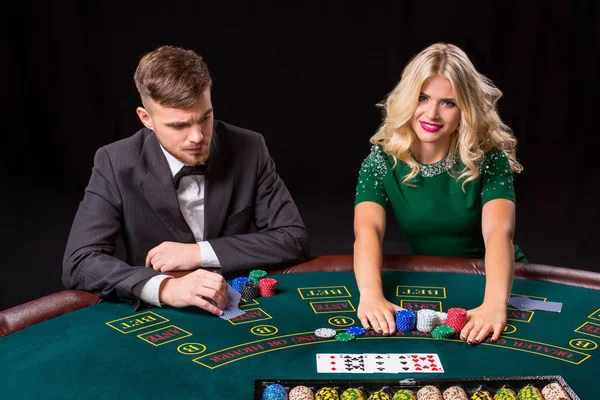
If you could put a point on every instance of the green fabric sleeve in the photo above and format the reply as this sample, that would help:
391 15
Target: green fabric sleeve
497 177
371 177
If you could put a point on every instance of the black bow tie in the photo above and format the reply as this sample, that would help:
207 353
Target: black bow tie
187 170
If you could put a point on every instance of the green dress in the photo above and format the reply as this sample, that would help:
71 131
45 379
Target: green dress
435 216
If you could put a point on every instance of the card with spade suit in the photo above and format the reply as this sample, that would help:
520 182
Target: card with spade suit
340 363
379 363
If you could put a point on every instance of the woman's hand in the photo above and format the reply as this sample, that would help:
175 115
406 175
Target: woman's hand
483 320
376 312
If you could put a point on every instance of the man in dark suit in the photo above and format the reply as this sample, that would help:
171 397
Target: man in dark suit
186 193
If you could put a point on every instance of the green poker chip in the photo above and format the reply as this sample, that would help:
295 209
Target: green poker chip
404 394
380 396
256 275
344 337
443 332
352 394
505 394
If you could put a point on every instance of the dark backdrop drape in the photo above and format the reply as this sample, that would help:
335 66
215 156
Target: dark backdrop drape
308 77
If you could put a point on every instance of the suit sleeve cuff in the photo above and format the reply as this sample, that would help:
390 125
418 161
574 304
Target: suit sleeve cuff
149 293
209 258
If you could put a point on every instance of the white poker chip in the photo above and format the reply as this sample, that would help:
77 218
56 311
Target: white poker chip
441 317
426 320
325 332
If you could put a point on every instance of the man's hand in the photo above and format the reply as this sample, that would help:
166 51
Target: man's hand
195 289
171 256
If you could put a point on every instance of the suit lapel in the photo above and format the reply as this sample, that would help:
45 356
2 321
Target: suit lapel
157 187
219 184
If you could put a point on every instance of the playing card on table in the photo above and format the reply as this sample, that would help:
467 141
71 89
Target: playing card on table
424 362
526 304
381 363
340 363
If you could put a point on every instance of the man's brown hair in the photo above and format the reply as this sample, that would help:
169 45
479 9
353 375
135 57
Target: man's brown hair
172 77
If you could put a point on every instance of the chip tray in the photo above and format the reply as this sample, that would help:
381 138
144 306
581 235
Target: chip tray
390 386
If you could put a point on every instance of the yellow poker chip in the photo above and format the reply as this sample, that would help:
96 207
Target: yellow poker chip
505 394
404 394
380 396
481 395
530 392
327 393
352 394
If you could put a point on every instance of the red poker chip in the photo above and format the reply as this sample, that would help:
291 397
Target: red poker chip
267 287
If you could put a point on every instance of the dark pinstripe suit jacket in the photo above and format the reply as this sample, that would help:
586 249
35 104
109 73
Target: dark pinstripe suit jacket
250 217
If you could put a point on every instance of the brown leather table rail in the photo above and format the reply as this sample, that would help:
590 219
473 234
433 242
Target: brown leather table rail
54 305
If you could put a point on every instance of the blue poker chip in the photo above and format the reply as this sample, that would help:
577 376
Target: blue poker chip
274 392
237 283
355 330
406 320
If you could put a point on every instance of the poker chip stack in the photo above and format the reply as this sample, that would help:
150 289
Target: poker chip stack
530 392
380 396
455 393
344 337
441 317
274 392
352 394
236 283
356 330
325 333
426 320
406 320
256 275
429 392
481 395
327 393
457 319
553 391
301 393
404 394
443 332
505 394
249 290
266 287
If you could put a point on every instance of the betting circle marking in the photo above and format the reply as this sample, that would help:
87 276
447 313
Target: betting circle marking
264 330
583 344
341 321
191 348
508 329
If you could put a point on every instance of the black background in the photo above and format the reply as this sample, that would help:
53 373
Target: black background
308 77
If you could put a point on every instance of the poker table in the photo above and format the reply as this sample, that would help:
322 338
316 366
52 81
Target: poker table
74 345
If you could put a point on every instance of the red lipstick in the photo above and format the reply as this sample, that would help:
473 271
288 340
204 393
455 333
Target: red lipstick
430 127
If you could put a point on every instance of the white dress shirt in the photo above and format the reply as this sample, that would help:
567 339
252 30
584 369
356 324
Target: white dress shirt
191 203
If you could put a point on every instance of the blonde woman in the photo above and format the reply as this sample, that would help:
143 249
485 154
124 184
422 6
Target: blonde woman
443 162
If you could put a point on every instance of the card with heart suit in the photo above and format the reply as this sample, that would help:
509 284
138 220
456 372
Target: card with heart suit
379 363
424 362
340 363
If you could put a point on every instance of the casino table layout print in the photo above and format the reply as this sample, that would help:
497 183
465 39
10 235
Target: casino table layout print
108 351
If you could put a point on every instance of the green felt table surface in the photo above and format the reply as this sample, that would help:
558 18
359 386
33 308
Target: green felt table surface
107 351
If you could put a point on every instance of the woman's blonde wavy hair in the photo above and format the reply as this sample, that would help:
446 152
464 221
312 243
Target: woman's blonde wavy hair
480 128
